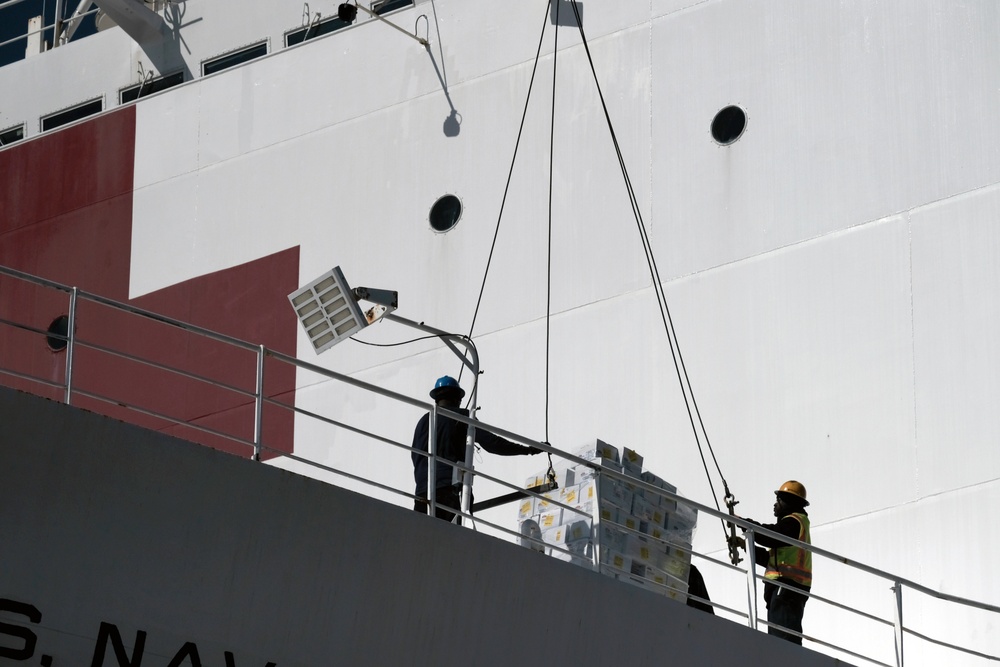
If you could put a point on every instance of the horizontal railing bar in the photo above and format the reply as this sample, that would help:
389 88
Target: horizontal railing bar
163 319
833 603
945 644
26 327
333 422
10 3
342 473
719 605
31 378
66 23
849 652
172 420
159 366
346 379
128 308
22 37
721 563
811 595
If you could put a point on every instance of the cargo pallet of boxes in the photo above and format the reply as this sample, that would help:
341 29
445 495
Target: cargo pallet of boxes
637 534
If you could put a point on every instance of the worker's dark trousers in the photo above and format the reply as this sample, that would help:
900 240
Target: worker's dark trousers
785 608
446 496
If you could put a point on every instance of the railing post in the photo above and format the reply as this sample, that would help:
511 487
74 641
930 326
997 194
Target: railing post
432 462
57 25
898 590
751 580
70 340
258 411
596 521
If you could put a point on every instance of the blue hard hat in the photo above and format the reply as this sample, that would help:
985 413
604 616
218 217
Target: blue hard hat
445 385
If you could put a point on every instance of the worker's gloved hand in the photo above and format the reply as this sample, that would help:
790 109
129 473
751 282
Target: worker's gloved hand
533 450
738 542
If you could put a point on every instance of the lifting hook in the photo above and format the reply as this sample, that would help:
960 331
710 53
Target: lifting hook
733 541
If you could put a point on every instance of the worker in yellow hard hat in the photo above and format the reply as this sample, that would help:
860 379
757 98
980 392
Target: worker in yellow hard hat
786 564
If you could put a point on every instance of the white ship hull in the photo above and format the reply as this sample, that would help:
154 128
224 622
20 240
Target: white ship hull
832 274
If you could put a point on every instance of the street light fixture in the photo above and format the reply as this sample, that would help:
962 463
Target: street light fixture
328 310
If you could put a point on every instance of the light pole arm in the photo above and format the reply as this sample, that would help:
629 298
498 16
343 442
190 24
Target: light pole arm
422 41
470 359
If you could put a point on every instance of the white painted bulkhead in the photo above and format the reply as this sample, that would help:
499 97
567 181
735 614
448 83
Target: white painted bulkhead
832 274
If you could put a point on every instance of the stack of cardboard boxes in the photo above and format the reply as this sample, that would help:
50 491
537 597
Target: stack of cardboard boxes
637 535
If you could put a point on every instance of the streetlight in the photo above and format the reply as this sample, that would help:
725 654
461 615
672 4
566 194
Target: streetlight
329 312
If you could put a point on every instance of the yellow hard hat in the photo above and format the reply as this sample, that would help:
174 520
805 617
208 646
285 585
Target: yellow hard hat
794 488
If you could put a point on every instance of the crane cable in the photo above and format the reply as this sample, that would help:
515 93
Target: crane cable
503 202
684 380
548 266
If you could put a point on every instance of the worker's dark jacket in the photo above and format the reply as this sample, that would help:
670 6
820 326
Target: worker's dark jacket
451 446
787 525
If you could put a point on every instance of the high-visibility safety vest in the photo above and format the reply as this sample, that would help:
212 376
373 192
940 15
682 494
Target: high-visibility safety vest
792 562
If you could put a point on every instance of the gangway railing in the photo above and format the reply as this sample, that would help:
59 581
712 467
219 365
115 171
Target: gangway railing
70 385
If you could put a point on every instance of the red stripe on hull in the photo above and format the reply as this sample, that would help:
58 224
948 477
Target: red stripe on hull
66 202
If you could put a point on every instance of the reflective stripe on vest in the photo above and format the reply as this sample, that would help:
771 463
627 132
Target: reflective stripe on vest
792 562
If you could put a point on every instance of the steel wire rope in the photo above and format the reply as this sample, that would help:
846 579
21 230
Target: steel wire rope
677 356
503 202
548 262
510 173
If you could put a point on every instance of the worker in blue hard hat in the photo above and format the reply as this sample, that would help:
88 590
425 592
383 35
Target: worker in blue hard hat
451 435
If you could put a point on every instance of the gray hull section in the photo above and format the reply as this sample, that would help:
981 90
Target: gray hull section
123 546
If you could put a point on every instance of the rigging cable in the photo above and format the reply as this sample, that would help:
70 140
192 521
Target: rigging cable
548 267
510 173
503 202
677 356
675 351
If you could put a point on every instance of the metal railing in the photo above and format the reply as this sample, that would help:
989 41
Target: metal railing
70 386
62 28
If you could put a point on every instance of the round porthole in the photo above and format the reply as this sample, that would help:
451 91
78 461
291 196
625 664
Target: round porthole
728 125
57 333
445 213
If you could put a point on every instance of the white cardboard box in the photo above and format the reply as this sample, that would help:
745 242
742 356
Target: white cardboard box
570 495
598 448
644 509
582 472
544 502
611 538
525 508
555 535
616 560
550 519
630 521
607 511
536 479
632 459
605 489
